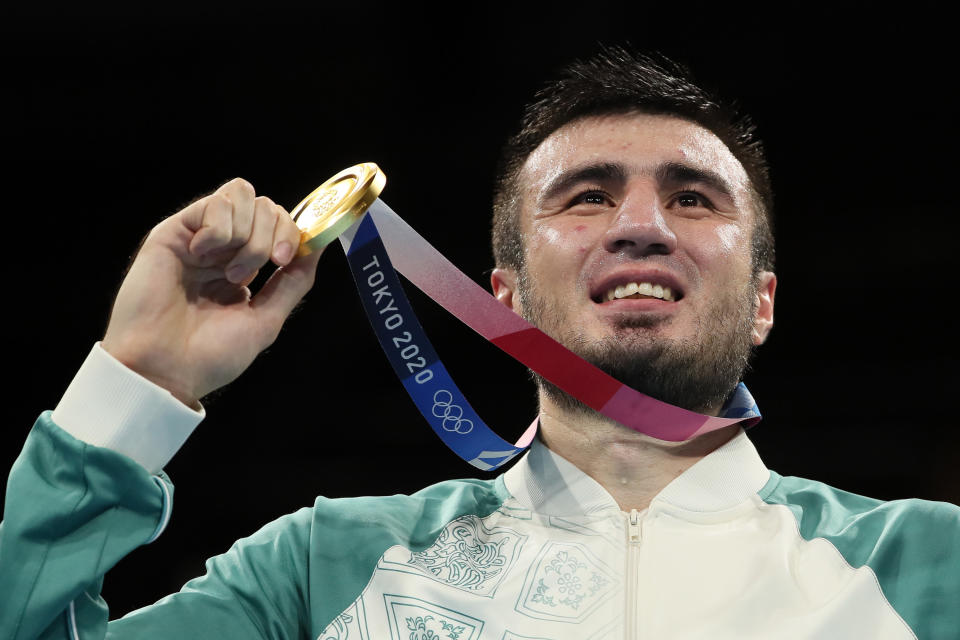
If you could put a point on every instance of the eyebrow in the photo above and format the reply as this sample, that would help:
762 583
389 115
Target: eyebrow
616 172
604 172
678 173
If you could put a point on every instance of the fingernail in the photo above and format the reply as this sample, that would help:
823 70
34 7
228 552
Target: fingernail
237 273
283 252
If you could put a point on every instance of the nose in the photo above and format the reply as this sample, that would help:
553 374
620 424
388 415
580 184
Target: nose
639 227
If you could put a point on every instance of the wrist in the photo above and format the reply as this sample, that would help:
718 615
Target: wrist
134 361
111 406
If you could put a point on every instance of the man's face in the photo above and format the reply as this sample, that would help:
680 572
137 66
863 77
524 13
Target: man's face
637 232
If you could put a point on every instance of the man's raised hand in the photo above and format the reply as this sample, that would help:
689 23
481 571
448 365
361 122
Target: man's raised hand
184 317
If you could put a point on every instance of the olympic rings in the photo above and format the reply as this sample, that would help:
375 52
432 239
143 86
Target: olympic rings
452 414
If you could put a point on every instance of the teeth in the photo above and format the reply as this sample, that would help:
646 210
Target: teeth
643 288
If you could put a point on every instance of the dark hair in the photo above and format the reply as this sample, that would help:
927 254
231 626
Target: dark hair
616 81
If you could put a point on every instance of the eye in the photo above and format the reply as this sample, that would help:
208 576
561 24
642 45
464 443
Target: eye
591 197
689 199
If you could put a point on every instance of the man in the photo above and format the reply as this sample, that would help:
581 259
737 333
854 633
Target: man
632 224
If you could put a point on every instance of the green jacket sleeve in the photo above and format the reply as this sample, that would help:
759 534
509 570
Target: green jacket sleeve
73 511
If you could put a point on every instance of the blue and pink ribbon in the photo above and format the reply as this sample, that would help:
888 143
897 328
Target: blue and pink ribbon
380 243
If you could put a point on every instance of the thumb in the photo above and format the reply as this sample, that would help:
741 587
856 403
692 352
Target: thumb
286 287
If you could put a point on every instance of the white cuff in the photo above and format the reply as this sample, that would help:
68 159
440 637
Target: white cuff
108 405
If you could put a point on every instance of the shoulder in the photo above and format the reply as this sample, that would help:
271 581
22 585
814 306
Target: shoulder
912 546
349 536
824 511
378 522
412 520
901 540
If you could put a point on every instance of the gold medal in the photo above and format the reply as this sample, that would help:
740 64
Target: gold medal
336 204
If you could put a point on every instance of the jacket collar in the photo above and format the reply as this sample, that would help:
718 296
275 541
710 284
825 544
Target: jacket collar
548 484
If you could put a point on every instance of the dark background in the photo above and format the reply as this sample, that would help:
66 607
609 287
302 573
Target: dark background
114 119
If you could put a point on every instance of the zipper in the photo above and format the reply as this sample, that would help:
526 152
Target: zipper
632 576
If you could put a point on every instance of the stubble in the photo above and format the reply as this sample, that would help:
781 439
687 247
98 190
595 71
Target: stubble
697 373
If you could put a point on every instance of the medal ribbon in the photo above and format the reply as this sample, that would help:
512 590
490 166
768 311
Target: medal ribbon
380 243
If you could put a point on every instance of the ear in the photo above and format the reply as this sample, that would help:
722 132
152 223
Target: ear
504 285
763 320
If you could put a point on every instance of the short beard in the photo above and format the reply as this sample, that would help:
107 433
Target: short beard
698 374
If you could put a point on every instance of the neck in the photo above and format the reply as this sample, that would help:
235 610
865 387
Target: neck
631 466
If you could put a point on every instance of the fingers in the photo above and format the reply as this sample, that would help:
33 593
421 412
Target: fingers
274 237
238 231
286 239
259 246
223 220
285 288
214 226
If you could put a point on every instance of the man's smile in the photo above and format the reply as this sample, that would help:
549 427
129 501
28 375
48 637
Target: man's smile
639 291
637 284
